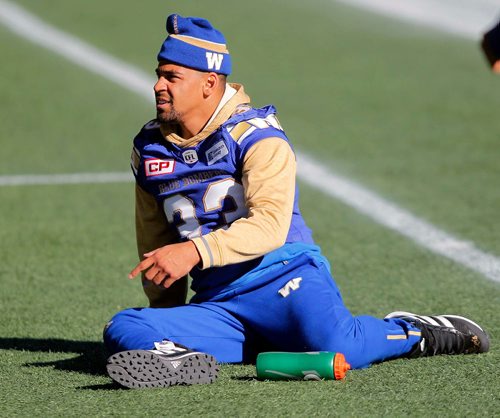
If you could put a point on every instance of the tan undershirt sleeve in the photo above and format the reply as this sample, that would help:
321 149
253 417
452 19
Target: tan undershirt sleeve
269 182
152 232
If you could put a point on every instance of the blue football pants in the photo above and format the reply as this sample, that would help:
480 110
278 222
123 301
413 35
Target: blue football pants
296 308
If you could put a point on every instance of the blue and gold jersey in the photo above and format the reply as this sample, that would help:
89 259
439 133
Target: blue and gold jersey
200 188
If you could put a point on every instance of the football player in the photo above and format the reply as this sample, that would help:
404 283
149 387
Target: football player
491 47
216 198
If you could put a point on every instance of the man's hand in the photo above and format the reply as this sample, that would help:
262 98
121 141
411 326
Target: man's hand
168 264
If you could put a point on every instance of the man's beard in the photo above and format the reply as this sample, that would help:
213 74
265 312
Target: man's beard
168 117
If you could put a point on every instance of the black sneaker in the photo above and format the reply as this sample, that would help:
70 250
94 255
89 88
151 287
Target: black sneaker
170 364
445 334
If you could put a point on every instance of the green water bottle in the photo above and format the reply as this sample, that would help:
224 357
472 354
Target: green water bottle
279 365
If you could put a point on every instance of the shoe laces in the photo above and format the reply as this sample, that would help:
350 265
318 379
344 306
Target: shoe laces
442 340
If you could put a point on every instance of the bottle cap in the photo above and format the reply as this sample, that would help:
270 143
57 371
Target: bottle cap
340 366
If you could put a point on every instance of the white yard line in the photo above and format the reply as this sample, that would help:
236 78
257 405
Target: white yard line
310 171
75 178
466 18
29 26
398 219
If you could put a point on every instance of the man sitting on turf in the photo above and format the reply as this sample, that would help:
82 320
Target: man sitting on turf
216 198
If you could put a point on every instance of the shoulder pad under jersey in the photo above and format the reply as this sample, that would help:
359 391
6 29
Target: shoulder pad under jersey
152 124
147 133
242 125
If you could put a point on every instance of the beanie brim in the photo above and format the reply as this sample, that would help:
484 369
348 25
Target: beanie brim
188 55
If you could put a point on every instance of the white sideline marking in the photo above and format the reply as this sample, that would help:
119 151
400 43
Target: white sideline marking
76 178
30 27
398 219
466 18
310 171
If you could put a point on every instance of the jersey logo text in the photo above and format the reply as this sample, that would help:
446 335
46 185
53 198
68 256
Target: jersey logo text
214 60
216 152
156 167
190 156
293 284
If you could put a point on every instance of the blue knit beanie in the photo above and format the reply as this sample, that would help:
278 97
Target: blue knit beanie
193 42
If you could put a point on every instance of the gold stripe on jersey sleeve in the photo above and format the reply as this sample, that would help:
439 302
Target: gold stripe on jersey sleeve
397 337
239 130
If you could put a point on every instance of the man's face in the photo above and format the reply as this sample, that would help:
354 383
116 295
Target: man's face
178 91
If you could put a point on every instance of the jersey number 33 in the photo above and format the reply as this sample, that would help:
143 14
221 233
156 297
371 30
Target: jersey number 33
222 203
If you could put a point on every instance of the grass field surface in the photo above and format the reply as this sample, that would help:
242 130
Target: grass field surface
409 112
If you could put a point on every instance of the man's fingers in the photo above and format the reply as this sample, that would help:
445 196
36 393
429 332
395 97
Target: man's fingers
143 265
152 272
158 278
169 281
150 253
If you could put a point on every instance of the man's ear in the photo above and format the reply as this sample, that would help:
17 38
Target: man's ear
211 84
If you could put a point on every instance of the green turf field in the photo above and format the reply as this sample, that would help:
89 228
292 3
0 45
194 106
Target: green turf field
409 112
